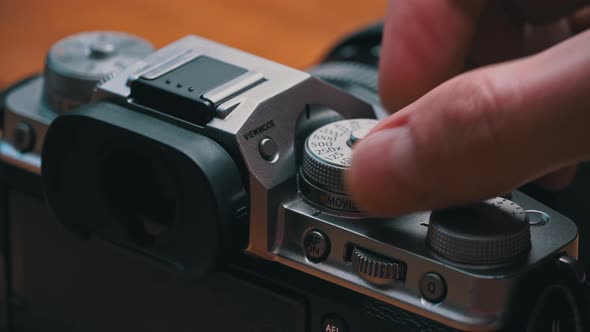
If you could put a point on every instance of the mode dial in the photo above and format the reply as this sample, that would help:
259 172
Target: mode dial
327 155
495 231
377 270
76 64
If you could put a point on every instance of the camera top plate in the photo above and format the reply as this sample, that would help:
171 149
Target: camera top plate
253 111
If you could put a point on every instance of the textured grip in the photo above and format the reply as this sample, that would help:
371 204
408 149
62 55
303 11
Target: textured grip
377 270
329 178
492 232
377 316
328 151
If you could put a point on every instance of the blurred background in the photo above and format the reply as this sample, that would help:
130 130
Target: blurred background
293 32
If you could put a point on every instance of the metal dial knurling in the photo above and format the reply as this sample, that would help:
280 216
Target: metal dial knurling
495 231
76 64
95 54
328 153
377 270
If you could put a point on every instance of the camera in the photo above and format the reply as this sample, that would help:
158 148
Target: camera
199 187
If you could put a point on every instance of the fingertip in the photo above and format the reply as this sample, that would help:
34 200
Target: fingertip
374 177
424 43
367 174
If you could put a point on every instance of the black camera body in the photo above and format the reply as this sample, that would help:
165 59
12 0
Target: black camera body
199 188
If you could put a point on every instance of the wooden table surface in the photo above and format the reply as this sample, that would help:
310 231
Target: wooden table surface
293 32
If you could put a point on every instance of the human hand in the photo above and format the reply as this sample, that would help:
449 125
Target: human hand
461 136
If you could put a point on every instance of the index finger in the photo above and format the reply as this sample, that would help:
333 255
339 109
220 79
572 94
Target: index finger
425 42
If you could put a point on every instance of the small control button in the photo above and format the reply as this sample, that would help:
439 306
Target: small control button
268 149
334 323
101 50
357 135
24 137
316 246
433 287
537 218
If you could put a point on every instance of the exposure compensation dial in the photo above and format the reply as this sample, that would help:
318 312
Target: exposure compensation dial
76 64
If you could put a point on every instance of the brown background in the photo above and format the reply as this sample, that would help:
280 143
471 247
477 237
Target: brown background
293 32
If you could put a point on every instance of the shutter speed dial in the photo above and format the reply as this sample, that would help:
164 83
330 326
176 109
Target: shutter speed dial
326 157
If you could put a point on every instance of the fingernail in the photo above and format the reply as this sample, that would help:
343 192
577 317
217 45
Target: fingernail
377 165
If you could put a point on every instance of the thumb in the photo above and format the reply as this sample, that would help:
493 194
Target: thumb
480 134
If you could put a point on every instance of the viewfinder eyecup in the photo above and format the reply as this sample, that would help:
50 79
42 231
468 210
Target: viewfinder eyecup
145 185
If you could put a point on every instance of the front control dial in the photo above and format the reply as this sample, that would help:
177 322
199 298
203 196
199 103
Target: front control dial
492 232
376 269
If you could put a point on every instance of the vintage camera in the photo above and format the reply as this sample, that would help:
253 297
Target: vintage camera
199 187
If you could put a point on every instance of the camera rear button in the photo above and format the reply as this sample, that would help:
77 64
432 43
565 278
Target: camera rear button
268 149
24 137
433 287
334 323
316 246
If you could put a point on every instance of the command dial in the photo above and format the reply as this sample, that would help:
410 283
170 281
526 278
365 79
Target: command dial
327 155
492 232
376 269
76 64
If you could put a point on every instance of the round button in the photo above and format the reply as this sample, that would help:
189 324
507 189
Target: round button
316 246
334 323
358 134
268 149
24 137
537 218
433 287
101 50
